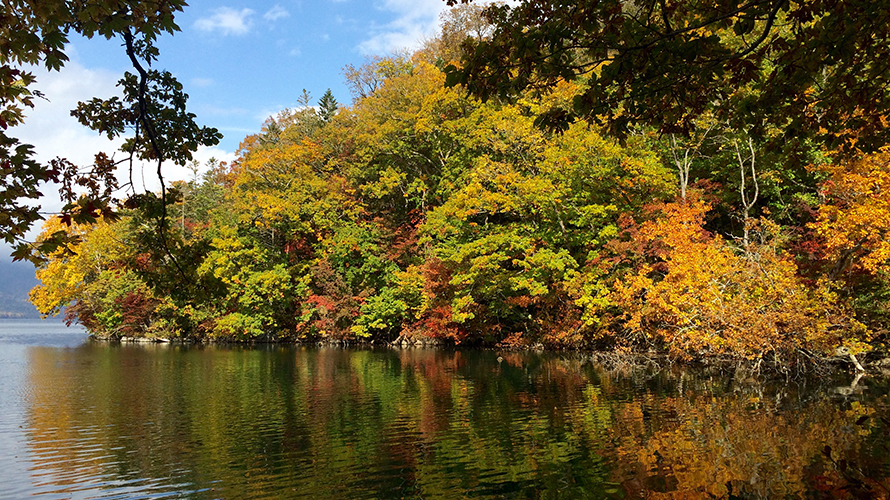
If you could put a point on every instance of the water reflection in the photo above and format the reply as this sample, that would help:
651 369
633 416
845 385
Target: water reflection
139 421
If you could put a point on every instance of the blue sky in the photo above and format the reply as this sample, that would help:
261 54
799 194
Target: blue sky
244 61
240 62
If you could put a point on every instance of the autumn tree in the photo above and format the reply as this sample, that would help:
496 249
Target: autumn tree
293 125
810 68
854 219
364 80
699 296
202 196
853 228
456 26
408 139
423 210
89 281
528 217
153 104
257 290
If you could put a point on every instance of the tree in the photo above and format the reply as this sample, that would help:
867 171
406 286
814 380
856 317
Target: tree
749 197
852 233
700 296
327 106
259 293
35 32
457 24
683 153
810 68
367 78
855 220
527 217
89 281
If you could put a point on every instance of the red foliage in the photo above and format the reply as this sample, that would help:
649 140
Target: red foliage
404 242
437 278
143 261
437 323
136 313
335 306
523 301
299 249
79 313
322 304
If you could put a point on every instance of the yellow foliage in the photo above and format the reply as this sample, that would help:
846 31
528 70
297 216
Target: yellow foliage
69 269
708 297
285 187
854 223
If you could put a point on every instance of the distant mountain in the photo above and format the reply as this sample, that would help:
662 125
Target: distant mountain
16 279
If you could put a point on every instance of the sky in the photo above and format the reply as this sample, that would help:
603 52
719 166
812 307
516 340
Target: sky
240 62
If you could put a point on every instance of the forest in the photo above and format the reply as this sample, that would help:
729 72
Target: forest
436 207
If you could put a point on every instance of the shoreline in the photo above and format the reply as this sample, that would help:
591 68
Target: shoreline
867 364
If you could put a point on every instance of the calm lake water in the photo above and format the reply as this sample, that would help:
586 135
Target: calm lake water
91 420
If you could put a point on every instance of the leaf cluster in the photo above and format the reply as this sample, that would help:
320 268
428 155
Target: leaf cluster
814 69
423 211
152 107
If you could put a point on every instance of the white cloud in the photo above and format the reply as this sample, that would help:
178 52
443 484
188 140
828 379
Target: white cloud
174 172
202 82
276 13
227 21
50 126
414 21
53 132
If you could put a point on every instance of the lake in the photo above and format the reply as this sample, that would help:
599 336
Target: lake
81 419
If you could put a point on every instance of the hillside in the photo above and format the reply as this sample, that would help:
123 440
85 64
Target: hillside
16 279
424 212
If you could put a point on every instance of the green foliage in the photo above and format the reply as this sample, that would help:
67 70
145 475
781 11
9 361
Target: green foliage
327 107
380 313
807 68
424 211
173 134
153 105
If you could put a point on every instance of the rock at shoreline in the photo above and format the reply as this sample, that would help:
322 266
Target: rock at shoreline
405 342
135 340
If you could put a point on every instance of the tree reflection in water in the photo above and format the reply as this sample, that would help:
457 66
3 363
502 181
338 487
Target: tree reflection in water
291 421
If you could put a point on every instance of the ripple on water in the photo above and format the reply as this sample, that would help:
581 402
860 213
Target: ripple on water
339 424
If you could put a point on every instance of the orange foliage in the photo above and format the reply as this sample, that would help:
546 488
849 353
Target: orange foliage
855 220
715 446
710 298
